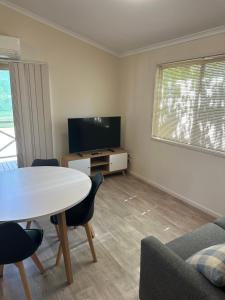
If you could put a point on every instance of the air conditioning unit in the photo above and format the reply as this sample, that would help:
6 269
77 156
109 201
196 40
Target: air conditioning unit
9 47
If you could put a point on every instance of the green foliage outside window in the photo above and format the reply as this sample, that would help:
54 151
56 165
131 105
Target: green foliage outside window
6 113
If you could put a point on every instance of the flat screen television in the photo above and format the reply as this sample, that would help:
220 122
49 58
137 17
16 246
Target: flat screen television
88 134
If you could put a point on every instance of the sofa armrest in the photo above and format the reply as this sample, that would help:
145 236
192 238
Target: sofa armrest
164 275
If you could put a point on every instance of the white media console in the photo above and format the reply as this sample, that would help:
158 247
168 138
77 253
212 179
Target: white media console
106 162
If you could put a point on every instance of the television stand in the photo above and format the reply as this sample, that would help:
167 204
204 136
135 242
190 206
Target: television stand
84 154
95 153
106 161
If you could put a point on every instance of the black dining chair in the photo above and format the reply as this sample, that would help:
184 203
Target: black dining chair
17 244
53 162
80 215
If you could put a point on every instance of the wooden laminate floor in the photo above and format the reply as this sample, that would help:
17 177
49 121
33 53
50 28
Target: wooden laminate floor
126 211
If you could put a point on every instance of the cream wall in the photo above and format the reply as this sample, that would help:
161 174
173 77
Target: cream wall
84 79
196 177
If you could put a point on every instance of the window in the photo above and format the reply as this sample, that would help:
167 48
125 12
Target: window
189 104
7 134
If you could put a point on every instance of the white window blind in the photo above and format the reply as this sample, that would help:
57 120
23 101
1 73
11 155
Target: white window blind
189 104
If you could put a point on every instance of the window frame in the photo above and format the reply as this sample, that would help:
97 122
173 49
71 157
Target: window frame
200 60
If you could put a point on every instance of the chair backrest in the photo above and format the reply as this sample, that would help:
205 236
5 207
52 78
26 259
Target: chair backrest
90 200
45 162
97 180
15 244
83 212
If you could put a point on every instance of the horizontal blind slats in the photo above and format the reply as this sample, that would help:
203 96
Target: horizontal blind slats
189 105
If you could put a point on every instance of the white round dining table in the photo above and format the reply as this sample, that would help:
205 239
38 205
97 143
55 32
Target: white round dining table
33 192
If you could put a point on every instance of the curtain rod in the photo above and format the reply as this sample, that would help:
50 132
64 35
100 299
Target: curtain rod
7 60
220 55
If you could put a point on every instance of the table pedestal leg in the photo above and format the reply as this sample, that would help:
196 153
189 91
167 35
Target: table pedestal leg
65 246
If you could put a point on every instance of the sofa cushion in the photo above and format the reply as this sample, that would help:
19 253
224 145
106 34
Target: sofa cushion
164 275
203 237
210 262
220 222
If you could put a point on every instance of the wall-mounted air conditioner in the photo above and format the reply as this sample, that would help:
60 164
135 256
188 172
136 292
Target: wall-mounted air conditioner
9 47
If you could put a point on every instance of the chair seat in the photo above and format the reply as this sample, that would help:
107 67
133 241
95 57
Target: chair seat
74 217
16 243
36 235
81 213
54 220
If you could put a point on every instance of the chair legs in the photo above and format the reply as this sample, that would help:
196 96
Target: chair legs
28 224
38 263
90 235
59 255
57 231
23 276
1 270
92 231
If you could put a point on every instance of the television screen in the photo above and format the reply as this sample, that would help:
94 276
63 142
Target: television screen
93 133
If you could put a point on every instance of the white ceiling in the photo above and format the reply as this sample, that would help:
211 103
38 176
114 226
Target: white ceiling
124 25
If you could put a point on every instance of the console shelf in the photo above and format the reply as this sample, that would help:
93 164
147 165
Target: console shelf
106 162
99 163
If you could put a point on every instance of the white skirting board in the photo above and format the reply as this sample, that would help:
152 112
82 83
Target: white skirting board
176 195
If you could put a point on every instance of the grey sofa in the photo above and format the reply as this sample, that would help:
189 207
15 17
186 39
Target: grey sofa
164 274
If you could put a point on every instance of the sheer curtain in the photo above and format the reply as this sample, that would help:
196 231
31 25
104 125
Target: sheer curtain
32 114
